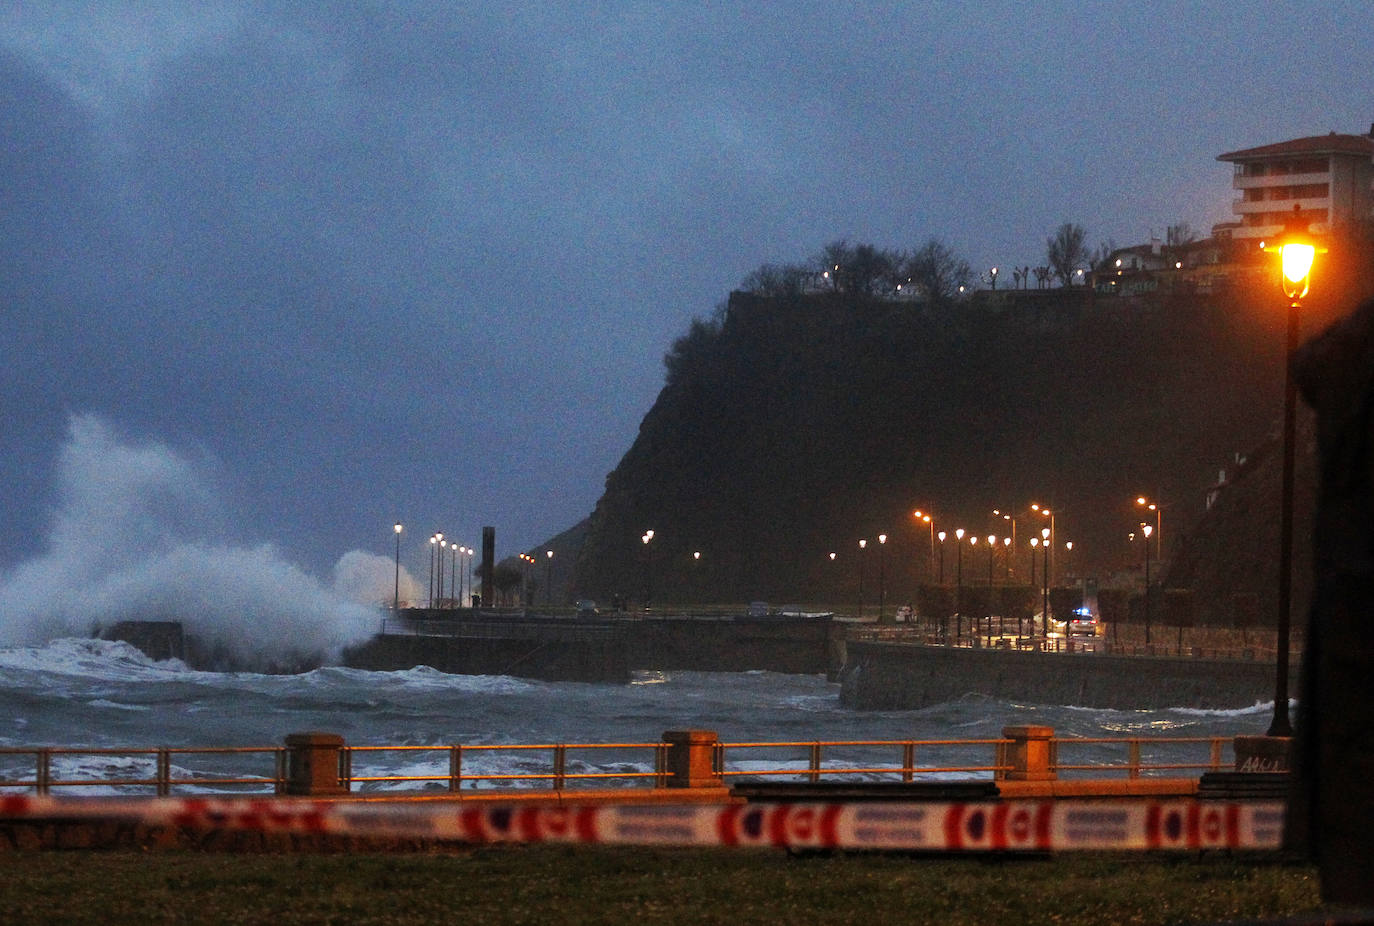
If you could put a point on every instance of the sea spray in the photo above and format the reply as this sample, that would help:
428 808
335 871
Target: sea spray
139 533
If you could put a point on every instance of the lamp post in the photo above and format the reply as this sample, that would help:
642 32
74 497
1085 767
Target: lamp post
433 547
958 584
1296 255
1011 541
1035 546
462 555
439 559
396 599
992 555
1008 543
863 545
453 571
1147 529
1045 533
1050 538
942 535
548 578
929 520
882 574
1143 502
649 568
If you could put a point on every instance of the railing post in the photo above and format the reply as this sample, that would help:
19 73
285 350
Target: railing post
909 761
1028 753
1133 759
455 768
691 759
560 763
313 764
814 774
164 772
43 774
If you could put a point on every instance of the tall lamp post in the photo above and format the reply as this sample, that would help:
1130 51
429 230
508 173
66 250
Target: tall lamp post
452 572
396 599
863 545
1146 529
1045 584
929 520
942 535
433 547
882 574
649 569
1158 511
1296 256
439 558
958 585
548 578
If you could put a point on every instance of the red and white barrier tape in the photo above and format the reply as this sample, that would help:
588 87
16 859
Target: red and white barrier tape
991 826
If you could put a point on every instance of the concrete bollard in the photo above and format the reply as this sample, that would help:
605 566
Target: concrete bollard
1028 754
1263 753
312 764
691 759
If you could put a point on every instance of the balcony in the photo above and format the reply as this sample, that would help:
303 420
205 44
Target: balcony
1270 180
1249 207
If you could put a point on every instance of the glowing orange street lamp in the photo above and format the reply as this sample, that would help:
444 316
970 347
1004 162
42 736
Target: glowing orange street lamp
1296 254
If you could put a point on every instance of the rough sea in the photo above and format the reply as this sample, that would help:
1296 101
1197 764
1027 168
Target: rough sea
93 693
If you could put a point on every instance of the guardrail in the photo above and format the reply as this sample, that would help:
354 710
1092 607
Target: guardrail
323 763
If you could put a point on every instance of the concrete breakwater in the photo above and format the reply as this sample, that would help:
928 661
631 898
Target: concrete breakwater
908 676
605 648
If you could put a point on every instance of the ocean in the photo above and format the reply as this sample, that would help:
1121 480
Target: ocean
76 692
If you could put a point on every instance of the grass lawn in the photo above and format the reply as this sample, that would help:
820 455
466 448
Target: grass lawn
570 885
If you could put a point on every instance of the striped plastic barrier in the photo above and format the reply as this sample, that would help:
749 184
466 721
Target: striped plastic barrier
946 827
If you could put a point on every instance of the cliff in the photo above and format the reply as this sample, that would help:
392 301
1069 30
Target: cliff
794 427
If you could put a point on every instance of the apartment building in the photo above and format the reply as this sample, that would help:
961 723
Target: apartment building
1331 177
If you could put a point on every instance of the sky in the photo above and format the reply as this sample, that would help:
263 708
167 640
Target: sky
335 265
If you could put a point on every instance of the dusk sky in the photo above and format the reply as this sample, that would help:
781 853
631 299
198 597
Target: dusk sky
359 262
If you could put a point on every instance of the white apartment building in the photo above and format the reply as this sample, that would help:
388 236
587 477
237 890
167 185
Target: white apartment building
1331 177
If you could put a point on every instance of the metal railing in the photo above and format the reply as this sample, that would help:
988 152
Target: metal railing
860 758
159 769
455 768
557 774
1142 755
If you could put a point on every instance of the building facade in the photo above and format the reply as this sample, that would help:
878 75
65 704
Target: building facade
1330 177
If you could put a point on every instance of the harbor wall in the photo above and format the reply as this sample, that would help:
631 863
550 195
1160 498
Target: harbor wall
908 676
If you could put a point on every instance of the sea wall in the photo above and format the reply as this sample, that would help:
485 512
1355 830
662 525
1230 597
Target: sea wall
906 676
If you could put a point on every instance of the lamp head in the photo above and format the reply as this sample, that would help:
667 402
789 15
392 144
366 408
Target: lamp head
1296 255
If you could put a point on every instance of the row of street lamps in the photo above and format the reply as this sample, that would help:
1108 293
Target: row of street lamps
438 547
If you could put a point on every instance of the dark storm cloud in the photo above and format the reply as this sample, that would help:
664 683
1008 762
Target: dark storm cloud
421 260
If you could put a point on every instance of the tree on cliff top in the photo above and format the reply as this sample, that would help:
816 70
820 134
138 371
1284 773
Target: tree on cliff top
1065 251
937 271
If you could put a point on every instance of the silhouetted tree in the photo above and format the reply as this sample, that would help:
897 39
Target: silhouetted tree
506 578
937 271
777 280
692 349
1065 251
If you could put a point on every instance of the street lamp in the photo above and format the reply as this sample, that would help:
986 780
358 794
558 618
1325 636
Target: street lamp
863 545
1147 529
942 535
548 578
433 548
1045 533
992 555
453 571
1296 254
929 521
396 600
1143 502
882 574
439 559
1011 542
649 570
